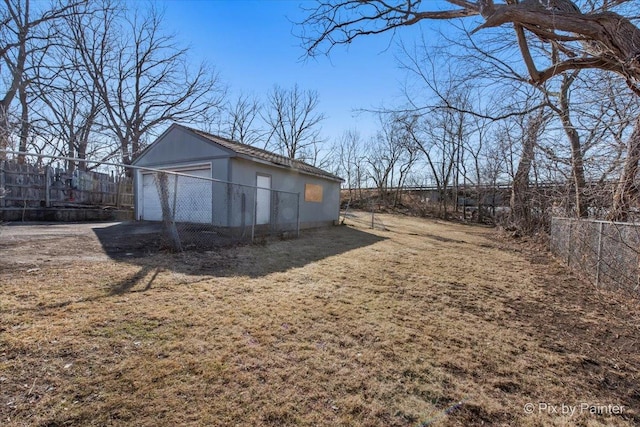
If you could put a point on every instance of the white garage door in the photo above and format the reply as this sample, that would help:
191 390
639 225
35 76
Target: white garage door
192 200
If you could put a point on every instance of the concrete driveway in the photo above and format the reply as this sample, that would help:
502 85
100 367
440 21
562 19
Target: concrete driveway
39 242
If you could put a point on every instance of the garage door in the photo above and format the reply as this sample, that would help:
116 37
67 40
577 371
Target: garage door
192 199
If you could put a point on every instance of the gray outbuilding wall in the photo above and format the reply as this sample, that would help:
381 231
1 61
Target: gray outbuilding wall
312 214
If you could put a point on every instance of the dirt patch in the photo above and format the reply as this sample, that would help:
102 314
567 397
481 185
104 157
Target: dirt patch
422 323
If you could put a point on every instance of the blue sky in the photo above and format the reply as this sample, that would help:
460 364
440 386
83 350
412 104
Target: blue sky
252 45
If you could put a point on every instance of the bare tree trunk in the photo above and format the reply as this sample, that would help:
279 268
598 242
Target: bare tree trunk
443 201
4 131
71 164
167 214
577 160
627 190
24 123
478 190
520 204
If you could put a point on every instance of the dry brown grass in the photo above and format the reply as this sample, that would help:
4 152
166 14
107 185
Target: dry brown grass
422 323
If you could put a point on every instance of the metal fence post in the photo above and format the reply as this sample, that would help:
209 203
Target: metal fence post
600 230
243 216
255 212
175 193
298 218
273 219
372 218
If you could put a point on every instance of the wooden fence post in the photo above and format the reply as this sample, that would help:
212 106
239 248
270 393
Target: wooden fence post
373 208
118 183
47 186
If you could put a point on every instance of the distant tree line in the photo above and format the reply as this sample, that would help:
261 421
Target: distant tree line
521 92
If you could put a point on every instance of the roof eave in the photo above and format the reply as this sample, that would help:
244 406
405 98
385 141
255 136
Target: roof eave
291 168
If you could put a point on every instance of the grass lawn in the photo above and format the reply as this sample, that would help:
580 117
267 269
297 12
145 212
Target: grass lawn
422 323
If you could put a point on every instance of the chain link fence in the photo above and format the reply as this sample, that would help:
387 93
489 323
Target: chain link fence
196 211
606 253
202 213
369 219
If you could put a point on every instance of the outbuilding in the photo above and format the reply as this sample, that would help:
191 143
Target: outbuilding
217 181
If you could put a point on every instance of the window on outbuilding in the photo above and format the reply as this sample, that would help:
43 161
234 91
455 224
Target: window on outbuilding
313 193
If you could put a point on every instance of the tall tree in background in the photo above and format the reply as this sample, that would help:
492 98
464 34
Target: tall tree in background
67 104
440 137
73 116
390 156
242 119
293 121
350 158
144 79
25 32
575 142
520 202
599 39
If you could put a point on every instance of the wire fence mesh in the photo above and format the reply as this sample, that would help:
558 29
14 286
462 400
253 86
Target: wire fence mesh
369 219
606 253
197 211
202 213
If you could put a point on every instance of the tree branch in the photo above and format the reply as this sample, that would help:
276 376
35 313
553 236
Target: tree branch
526 54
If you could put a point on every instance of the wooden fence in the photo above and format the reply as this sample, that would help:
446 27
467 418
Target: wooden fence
31 186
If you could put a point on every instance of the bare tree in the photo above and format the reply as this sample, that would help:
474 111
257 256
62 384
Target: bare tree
475 146
384 152
68 106
242 121
73 116
144 79
440 134
577 158
350 162
493 171
293 121
25 30
600 38
408 159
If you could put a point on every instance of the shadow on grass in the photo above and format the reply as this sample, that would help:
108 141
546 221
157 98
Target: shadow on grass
141 243
128 283
120 288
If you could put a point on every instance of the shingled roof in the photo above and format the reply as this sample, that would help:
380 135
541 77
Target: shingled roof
253 153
